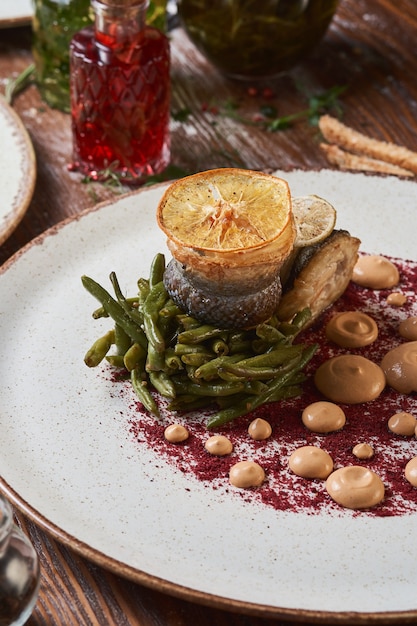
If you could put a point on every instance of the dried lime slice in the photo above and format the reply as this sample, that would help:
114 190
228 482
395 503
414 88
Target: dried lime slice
314 218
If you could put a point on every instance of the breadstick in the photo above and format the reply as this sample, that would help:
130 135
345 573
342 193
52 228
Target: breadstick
337 133
349 161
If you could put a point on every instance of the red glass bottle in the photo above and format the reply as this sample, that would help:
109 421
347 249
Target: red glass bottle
120 94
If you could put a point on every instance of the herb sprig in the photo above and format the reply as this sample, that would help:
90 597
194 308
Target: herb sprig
318 104
18 84
267 117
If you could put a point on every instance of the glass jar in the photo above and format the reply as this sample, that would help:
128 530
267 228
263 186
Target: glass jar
120 94
19 571
54 23
252 39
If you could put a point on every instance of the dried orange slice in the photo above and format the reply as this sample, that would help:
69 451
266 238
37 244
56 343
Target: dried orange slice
225 210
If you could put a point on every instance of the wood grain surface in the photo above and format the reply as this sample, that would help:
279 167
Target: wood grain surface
369 49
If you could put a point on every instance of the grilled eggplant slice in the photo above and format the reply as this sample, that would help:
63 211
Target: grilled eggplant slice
319 275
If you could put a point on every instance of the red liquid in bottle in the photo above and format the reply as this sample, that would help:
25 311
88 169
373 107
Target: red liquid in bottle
120 100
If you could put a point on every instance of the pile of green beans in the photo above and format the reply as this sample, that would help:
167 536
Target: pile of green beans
194 364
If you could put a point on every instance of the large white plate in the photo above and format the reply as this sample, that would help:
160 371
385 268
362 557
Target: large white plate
67 461
15 13
17 170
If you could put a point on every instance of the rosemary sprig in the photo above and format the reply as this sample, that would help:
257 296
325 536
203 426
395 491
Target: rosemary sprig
18 84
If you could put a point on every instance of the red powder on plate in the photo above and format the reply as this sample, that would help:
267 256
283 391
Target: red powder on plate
366 423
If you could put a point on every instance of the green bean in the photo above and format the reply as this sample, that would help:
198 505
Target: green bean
298 378
132 312
121 340
187 403
134 357
172 360
259 346
286 392
99 349
195 364
227 376
200 333
151 307
269 333
140 387
273 358
196 358
115 360
168 329
143 289
98 313
162 383
255 387
236 347
252 373
211 368
208 389
155 359
274 392
184 348
220 347
290 371
157 270
116 312
187 322
297 324
190 371
170 310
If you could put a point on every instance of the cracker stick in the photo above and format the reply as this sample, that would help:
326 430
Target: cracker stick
337 133
348 161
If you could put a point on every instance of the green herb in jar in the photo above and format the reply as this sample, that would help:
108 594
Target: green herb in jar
54 23
256 38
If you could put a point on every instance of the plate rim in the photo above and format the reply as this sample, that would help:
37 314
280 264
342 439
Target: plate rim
153 581
29 172
182 592
21 18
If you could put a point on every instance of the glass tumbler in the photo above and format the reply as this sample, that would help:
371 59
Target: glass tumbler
19 571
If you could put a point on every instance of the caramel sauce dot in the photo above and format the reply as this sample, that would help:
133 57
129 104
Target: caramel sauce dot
246 474
218 445
311 462
375 272
323 417
363 451
411 471
176 433
350 379
402 423
400 367
355 487
259 429
408 328
396 299
352 329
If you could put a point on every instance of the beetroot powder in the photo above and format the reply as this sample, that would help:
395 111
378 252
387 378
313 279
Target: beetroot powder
365 423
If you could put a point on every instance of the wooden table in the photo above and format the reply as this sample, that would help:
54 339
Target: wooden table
370 48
